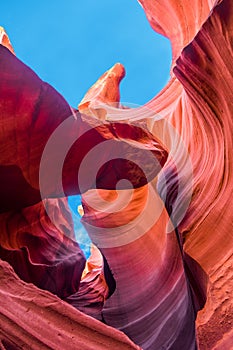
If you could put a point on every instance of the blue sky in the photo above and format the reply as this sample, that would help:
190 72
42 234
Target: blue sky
71 43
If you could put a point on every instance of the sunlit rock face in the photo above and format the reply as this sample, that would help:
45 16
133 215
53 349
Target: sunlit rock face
4 40
197 103
157 232
182 24
202 113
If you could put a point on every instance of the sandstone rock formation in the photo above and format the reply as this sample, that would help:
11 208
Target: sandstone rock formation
198 106
37 236
35 319
147 285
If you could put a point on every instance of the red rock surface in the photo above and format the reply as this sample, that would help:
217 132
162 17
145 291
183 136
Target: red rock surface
183 21
209 238
41 252
105 90
133 233
35 319
93 290
151 289
200 111
157 289
4 40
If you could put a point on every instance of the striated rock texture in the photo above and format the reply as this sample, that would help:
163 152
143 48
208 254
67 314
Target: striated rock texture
131 230
41 252
152 302
93 290
156 235
203 116
35 319
197 105
182 24
210 240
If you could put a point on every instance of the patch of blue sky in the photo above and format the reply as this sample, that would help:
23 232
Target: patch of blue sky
71 43
80 233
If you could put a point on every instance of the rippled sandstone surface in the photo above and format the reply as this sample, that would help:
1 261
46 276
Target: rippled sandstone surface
146 286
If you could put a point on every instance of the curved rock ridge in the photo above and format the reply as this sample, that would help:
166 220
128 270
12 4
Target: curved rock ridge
212 123
105 90
35 319
41 252
177 20
210 239
131 230
152 293
4 39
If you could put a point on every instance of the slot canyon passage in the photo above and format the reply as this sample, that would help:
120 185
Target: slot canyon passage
156 184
